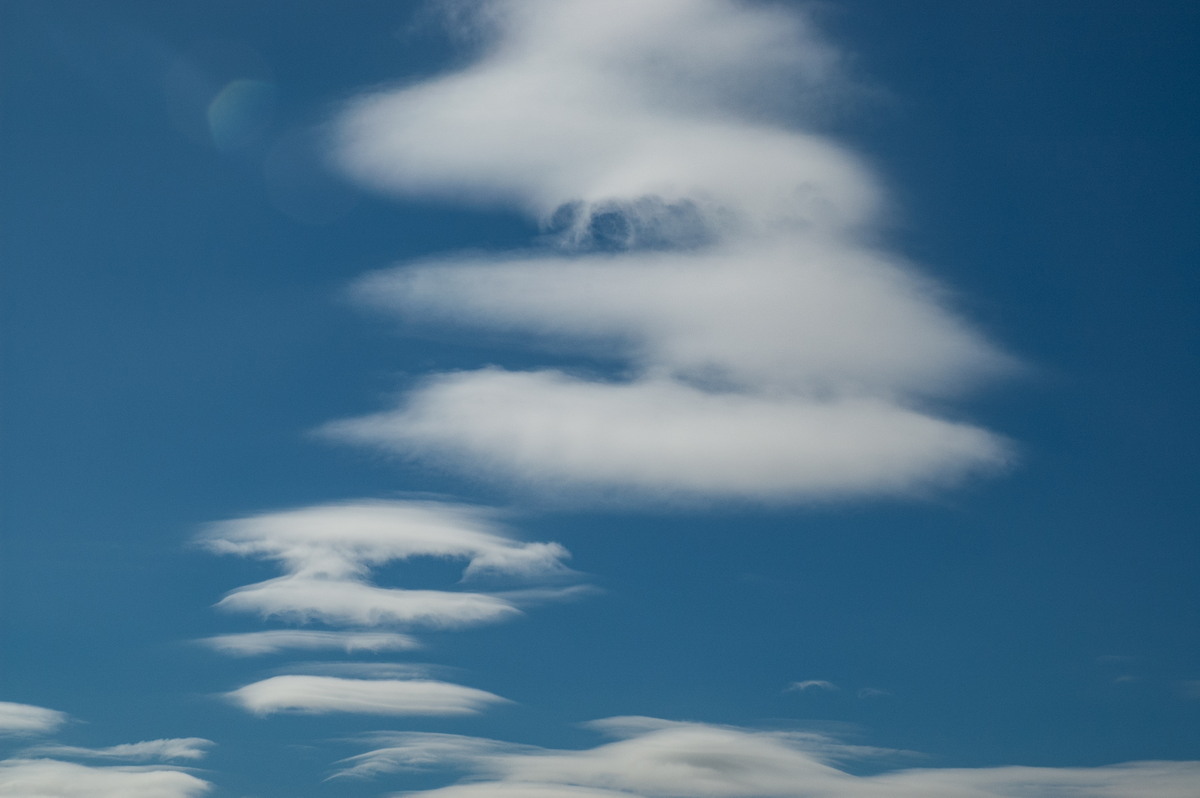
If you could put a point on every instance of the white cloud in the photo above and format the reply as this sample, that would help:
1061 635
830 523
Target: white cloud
22 719
250 644
773 352
344 540
690 760
325 694
795 314
549 430
328 552
811 684
348 601
48 778
166 749
579 103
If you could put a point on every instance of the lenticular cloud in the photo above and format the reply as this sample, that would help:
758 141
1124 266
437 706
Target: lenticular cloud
712 252
654 758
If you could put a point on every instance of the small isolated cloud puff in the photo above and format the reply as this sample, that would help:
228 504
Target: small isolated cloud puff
656 759
327 694
167 749
661 436
26 719
48 778
252 644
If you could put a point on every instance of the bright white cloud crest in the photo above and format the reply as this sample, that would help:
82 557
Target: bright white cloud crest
324 694
772 353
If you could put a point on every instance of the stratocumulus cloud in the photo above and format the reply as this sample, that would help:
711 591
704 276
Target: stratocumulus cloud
766 349
655 758
326 694
22 719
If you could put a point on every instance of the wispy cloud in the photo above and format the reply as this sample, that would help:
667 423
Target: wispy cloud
811 684
349 601
49 778
166 749
250 644
767 349
23 719
690 760
344 540
326 694
329 551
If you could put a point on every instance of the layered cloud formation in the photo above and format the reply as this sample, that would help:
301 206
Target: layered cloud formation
717 262
328 554
661 759
42 771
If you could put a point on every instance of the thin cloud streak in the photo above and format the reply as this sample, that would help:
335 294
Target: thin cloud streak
348 601
253 644
166 749
328 694
811 684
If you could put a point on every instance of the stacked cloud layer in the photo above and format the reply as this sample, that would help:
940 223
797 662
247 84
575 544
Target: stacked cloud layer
42 770
719 262
328 553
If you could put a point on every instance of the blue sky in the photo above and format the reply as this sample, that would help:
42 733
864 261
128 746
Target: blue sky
599 399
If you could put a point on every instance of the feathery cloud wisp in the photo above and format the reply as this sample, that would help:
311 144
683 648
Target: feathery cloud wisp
328 552
22 719
166 749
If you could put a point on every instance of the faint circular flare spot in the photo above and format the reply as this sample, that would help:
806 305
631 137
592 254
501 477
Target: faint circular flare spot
241 113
